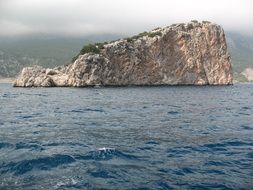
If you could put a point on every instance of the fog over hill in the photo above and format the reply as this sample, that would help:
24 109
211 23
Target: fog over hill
241 50
16 53
50 33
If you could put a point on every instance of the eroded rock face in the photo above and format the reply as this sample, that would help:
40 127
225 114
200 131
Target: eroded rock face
182 54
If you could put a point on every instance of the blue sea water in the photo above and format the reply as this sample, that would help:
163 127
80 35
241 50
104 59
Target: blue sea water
126 138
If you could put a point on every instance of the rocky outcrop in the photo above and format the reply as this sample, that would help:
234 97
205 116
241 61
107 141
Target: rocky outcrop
248 74
181 54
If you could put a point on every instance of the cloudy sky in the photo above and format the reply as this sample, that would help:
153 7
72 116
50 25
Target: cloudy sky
83 17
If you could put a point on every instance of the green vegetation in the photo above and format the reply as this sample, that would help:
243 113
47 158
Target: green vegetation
96 48
90 48
158 28
140 35
129 40
113 41
153 34
75 58
240 78
101 45
149 34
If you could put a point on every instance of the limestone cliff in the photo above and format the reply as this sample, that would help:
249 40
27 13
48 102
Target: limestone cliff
181 54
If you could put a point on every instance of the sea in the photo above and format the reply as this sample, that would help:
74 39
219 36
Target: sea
140 138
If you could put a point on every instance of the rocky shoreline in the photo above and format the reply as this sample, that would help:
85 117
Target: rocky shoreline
181 54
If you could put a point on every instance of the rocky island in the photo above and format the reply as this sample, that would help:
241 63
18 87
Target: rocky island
181 54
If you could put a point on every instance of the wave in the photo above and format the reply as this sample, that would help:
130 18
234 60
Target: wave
5 145
84 110
44 163
105 154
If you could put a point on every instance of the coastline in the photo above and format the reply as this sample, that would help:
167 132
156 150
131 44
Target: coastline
6 80
11 80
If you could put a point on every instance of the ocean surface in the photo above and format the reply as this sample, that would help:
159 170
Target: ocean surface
126 138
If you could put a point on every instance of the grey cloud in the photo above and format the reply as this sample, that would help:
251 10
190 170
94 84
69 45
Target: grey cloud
82 17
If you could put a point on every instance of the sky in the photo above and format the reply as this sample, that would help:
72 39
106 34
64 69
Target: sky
85 17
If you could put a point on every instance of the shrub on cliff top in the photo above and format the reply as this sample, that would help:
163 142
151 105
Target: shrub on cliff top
140 35
153 34
95 48
149 34
101 45
90 48
129 39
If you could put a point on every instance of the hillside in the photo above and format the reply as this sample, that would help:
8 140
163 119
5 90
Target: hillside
47 52
241 50
9 65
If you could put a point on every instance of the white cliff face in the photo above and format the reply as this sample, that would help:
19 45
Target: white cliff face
182 54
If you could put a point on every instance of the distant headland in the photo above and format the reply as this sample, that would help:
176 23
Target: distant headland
181 54
6 80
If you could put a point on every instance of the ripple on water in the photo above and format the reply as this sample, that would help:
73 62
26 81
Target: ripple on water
100 173
44 163
152 143
246 127
177 152
5 145
164 138
32 146
25 117
246 108
210 186
214 171
105 154
218 163
173 112
84 110
250 155
10 95
22 145
238 143
53 144
215 147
